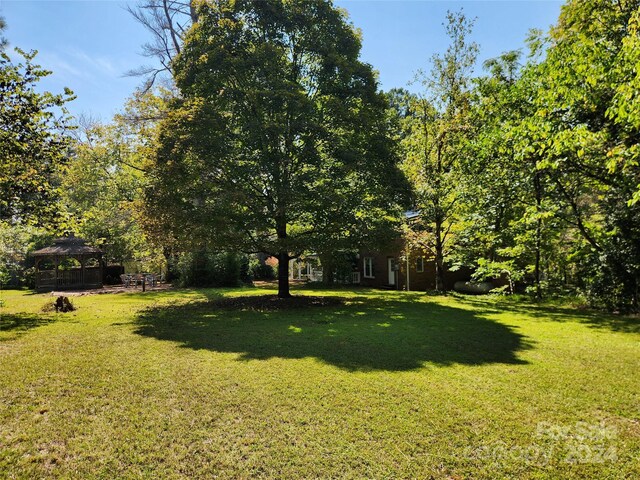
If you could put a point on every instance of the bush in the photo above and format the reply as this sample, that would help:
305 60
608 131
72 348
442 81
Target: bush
606 286
259 270
205 269
16 241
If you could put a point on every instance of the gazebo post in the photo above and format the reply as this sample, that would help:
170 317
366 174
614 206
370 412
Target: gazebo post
101 267
36 264
56 261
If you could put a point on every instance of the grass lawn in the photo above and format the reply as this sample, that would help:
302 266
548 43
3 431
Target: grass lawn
178 384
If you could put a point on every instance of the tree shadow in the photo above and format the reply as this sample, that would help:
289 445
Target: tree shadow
592 318
363 334
19 323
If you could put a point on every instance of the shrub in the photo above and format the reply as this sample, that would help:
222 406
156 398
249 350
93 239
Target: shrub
259 270
205 269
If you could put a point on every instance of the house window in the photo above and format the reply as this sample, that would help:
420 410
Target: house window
420 264
368 267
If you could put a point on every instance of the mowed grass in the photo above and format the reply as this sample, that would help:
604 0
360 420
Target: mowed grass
381 385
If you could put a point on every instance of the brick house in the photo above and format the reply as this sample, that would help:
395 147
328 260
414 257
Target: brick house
392 270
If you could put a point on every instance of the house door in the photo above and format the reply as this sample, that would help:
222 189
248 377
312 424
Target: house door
392 272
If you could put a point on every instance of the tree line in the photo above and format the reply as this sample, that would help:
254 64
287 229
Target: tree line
270 135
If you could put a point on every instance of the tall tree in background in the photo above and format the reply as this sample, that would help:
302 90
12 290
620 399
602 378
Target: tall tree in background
280 139
560 140
512 220
167 21
104 182
487 239
33 140
440 127
588 105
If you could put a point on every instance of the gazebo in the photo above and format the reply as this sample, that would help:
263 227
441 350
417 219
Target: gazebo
68 264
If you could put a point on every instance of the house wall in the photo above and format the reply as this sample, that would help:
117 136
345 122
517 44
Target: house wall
380 270
418 281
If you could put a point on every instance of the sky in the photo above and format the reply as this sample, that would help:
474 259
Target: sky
90 45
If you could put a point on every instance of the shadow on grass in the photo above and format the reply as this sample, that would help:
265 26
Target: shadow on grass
177 292
592 318
363 334
18 323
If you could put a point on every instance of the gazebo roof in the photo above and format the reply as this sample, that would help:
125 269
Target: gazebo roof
67 246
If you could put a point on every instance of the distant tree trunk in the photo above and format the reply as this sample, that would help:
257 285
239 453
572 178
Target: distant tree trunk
439 243
497 228
328 266
283 275
192 11
170 259
538 192
439 248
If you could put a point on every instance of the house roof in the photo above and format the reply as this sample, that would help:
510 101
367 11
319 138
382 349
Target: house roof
67 246
411 214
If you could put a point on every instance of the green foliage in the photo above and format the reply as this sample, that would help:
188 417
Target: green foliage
438 124
16 241
33 143
212 269
105 180
553 175
261 271
492 270
586 104
280 140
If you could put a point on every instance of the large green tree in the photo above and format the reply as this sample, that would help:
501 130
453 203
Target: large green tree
440 126
512 224
104 181
33 140
279 142
556 158
587 105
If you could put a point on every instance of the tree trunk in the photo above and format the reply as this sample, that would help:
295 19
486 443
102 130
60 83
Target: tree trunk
170 259
327 269
537 274
497 228
193 13
439 246
439 258
283 257
283 275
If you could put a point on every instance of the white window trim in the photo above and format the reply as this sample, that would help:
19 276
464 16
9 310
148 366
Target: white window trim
421 269
364 269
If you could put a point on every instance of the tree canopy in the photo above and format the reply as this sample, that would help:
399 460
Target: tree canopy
276 139
438 127
33 140
280 138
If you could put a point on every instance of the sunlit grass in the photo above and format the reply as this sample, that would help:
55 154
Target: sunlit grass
382 385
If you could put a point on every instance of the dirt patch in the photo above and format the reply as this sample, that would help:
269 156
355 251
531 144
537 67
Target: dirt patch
272 302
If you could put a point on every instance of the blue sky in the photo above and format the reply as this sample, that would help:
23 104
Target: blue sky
89 45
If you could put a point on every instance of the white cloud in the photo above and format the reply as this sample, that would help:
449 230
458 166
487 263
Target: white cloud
73 65
100 65
62 68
